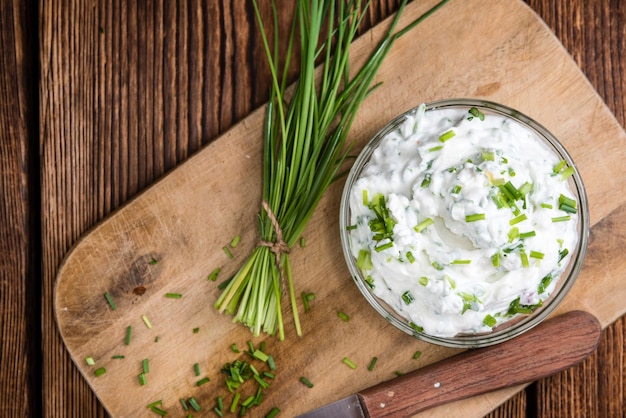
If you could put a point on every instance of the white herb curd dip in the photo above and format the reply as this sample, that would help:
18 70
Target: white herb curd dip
460 220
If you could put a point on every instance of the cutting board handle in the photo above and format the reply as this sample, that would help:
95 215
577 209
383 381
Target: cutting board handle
550 347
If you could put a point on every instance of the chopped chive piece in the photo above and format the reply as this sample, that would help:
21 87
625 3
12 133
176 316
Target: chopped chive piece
546 206
559 166
474 217
196 330
461 262
203 381
495 260
476 114
423 225
271 363
416 327
129 330
100 371
110 300
229 254
153 261
525 189
569 171
306 382
399 373
372 364
173 295
213 276
220 403
302 242
260 355
407 297
457 189
384 246
305 302
524 258
273 412
142 379
364 260
488 155
235 241
145 365
183 403
196 369
433 149
451 282
417 355
543 285
146 321
194 404
513 234
518 219
447 135
156 339
423 280
343 316
248 401
562 254
90 361
159 411
261 382
269 375
155 403
233 348
117 357
561 218
436 265
366 200
566 204
254 370
410 257
490 321
235 402
349 363
351 227
527 234
536 254
218 412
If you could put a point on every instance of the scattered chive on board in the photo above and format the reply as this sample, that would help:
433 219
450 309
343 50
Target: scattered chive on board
213 276
306 382
146 321
343 316
110 300
349 363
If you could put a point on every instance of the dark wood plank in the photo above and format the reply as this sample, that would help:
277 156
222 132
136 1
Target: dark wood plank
130 89
19 271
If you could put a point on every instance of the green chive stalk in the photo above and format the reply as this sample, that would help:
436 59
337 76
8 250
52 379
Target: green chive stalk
304 145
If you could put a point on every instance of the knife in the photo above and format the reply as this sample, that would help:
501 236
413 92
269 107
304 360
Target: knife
552 346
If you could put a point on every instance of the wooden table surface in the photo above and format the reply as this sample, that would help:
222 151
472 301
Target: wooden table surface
170 77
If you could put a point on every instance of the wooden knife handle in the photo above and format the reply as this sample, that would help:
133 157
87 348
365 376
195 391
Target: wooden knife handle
550 347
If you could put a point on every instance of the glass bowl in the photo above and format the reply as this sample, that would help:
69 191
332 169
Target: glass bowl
519 320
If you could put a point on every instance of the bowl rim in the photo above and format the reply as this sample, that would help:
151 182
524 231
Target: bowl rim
567 279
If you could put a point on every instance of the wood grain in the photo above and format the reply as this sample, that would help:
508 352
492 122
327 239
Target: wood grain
154 220
92 164
19 271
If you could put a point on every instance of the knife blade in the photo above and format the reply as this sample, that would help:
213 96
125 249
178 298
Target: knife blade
554 345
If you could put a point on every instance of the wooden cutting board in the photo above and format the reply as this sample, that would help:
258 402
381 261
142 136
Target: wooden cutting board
170 237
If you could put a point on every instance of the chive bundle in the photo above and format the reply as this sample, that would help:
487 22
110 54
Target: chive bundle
304 146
